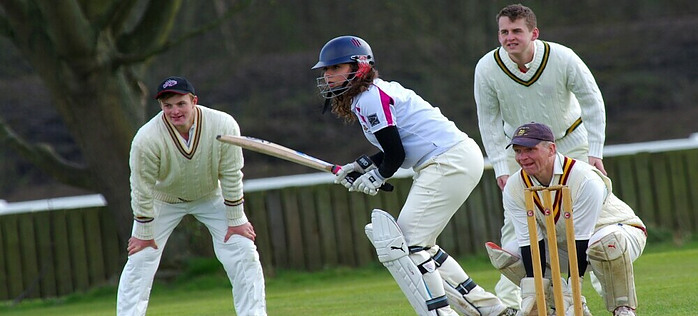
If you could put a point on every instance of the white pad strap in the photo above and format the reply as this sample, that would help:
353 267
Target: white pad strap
613 267
509 264
393 252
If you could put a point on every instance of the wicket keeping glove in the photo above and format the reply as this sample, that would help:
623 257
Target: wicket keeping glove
349 172
368 183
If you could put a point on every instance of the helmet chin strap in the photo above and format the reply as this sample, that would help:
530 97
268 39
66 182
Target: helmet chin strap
326 106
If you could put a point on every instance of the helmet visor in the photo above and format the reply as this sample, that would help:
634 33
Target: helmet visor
332 86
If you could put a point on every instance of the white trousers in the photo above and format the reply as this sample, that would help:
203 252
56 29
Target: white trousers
239 258
440 186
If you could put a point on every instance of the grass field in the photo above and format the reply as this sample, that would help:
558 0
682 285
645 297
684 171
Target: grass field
666 278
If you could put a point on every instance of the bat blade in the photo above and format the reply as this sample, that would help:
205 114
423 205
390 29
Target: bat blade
285 153
278 151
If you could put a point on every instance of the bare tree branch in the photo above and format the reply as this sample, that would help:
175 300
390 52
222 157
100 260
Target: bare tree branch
95 11
29 35
226 31
70 32
16 9
117 15
153 27
44 157
145 54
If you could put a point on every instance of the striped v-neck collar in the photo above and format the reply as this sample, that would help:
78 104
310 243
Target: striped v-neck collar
187 150
510 68
567 164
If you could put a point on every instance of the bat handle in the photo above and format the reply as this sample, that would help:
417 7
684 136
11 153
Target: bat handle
387 187
352 176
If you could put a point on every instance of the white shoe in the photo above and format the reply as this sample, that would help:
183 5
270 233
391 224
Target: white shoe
624 311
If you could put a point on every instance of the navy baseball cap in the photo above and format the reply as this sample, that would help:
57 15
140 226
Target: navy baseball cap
529 135
178 85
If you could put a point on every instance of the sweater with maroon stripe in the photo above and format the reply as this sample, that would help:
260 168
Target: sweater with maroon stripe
166 167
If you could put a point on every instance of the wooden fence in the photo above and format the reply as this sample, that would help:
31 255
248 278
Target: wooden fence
56 253
311 227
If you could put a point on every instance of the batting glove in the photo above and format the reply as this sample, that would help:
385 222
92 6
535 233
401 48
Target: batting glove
349 172
368 183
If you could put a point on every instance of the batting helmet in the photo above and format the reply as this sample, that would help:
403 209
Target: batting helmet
344 49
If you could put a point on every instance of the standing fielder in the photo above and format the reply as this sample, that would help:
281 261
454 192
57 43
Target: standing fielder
525 80
607 232
178 168
409 133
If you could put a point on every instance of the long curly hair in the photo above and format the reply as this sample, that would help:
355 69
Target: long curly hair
341 105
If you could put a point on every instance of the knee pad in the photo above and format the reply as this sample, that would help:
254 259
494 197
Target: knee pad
609 247
438 255
451 271
406 268
613 267
423 260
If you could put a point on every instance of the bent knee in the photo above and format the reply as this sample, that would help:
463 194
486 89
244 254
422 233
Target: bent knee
609 247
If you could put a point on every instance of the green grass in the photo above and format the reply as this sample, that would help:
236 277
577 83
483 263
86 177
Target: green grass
666 278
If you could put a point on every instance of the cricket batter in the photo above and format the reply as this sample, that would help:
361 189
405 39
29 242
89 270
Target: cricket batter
606 229
410 133
178 168
526 80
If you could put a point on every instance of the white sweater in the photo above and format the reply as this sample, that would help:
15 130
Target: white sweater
594 204
557 89
165 167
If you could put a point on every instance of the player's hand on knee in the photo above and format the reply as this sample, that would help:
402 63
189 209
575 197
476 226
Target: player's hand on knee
598 163
351 171
368 183
135 245
245 230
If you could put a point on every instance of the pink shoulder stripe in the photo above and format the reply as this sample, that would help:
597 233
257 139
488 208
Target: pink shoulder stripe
386 101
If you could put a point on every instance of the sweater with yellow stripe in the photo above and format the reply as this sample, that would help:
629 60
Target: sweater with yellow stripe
593 202
166 167
557 90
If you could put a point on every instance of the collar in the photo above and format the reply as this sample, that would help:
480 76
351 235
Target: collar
533 58
558 171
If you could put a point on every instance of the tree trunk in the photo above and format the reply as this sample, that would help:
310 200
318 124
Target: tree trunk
102 109
103 114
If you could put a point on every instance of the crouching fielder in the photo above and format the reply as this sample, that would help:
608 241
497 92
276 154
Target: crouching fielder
607 232
409 133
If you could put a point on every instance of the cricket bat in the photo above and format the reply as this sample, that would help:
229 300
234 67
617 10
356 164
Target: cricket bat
285 153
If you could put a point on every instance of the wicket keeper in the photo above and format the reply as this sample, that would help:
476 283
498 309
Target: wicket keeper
608 234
